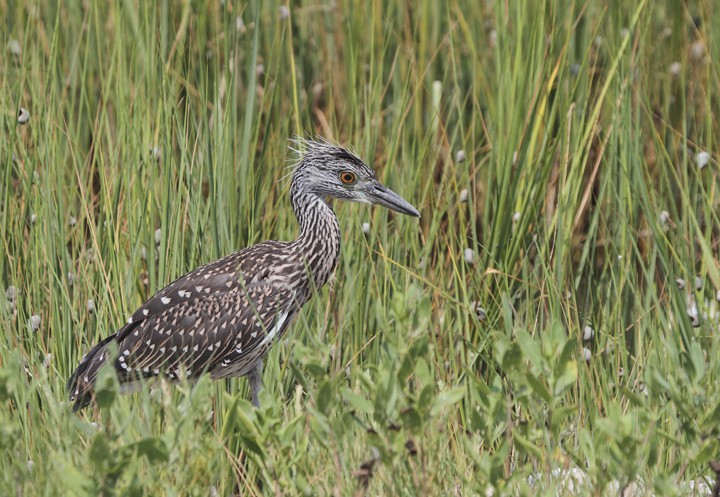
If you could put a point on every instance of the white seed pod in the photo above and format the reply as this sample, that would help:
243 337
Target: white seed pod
624 32
90 305
158 236
680 283
697 50
717 295
34 323
479 311
664 217
463 195
156 153
514 157
516 217
14 48
642 388
621 372
11 292
675 69
695 321
23 116
31 466
460 156
493 38
667 32
469 256
239 25
588 334
47 360
94 425
36 177
587 355
366 228
598 41
33 218
72 221
143 253
698 283
70 278
284 12
702 159
259 69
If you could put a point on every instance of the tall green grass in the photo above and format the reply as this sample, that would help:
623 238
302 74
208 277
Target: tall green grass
578 130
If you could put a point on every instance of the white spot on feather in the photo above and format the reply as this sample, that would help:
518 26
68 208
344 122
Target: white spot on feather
165 300
145 312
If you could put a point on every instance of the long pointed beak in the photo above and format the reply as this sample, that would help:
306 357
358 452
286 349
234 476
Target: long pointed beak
379 194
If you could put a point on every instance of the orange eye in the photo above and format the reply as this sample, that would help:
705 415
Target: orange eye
347 178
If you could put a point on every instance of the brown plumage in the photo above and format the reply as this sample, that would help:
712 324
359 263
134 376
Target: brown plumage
223 317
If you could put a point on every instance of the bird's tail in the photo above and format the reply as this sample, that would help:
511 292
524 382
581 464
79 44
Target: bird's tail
81 385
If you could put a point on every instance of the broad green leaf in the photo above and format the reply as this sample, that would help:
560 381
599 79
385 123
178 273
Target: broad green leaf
524 443
324 397
448 398
530 348
566 376
539 387
357 402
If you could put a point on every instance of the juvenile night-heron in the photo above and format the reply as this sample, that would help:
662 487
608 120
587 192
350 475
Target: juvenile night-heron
223 317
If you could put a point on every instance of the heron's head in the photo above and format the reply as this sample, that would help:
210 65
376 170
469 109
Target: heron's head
328 170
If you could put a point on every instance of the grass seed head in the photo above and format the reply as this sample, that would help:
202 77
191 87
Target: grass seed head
702 159
588 334
463 195
34 323
14 48
469 256
366 228
587 355
675 69
23 115
479 311
460 156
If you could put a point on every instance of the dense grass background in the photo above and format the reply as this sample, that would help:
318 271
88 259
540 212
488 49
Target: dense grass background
580 122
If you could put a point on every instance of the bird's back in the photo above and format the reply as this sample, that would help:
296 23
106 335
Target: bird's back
219 318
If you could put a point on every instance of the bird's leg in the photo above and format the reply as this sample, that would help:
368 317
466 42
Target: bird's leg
256 383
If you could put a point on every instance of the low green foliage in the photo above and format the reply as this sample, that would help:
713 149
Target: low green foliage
586 186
